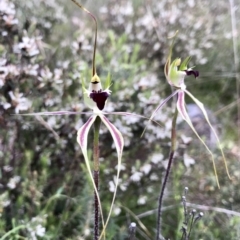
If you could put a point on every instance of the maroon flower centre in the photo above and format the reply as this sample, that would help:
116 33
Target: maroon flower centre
99 97
192 72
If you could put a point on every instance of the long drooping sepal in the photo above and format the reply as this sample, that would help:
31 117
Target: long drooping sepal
55 113
163 103
82 138
201 106
119 143
159 107
47 126
182 110
124 114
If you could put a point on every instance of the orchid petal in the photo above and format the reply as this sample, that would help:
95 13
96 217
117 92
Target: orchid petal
124 114
168 62
54 113
87 100
176 77
130 114
184 64
159 106
201 106
47 126
82 137
119 143
166 69
108 82
182 110
83 133
163 103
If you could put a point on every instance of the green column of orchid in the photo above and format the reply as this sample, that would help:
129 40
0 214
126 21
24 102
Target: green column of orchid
170 161
97 124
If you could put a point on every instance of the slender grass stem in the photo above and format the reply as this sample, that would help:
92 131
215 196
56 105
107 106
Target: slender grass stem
12 231
191 225
170 160
97 124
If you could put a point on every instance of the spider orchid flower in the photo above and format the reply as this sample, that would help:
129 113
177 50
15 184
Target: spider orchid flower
95 98
175 72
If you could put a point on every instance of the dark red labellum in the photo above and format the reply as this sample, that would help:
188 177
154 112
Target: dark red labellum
99 98
192 72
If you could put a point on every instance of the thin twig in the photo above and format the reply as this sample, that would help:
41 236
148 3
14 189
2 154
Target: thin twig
215 209
197 206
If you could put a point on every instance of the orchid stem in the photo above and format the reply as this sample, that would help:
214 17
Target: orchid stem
97 124
170 161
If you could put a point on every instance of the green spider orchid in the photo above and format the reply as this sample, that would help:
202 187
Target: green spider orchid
175 72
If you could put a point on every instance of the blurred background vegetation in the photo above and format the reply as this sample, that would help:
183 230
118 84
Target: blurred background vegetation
46 47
